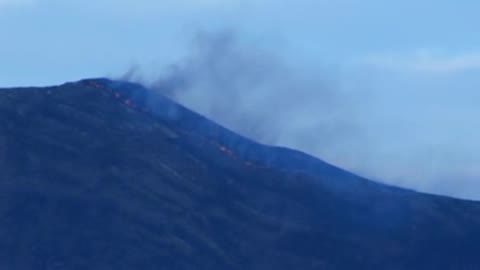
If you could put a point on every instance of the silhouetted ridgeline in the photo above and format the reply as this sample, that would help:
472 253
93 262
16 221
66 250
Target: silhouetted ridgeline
102 174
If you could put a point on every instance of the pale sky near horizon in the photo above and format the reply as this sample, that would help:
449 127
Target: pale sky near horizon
411 66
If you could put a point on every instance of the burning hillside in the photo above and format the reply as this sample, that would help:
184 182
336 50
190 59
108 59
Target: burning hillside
101 174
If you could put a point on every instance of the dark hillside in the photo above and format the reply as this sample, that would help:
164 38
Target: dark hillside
102 175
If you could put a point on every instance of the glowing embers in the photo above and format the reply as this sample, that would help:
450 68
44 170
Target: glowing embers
125 101
225 150
130 103
94 84
234 156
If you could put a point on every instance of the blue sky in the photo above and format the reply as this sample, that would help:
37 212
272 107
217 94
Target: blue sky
406 71
43 38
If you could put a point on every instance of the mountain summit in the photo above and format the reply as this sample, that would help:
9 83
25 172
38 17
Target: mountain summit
102 174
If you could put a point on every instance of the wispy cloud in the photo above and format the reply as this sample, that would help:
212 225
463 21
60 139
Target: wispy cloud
425 60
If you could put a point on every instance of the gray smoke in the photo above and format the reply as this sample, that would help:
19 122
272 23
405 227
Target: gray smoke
390 132
256 93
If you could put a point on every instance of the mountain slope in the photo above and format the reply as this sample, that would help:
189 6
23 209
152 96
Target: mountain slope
100 174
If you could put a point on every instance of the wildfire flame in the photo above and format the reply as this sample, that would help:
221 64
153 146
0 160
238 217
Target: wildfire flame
130 103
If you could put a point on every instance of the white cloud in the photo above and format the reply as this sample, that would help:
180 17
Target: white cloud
425 61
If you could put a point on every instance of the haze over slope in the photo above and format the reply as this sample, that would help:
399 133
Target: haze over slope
390 129
412 67
111 181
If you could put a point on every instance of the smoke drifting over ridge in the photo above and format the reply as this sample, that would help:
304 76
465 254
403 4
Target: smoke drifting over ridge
391 132
255 93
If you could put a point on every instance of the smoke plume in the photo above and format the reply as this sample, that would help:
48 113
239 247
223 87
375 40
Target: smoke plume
383 129
255 93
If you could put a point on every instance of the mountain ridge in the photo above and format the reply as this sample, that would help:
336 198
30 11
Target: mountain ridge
91 180
151 101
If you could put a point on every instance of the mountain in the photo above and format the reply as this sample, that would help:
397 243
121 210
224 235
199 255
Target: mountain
102 174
